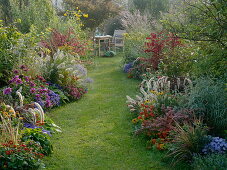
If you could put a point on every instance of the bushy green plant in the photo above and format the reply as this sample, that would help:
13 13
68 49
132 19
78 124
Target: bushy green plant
38 136
109 54
64 69
21 156
202 22
208 99
179 62
33 12
133 46
9 37
187 140
210 162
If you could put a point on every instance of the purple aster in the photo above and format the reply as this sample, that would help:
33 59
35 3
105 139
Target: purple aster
37 96
48 103
32 90
19 81
27 79
7 91
15 71
32 84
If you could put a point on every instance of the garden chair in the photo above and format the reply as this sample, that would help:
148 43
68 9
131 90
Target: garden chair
118 39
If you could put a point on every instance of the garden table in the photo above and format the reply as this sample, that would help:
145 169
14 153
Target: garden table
104 38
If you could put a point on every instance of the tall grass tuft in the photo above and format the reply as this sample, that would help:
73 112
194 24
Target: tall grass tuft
208 98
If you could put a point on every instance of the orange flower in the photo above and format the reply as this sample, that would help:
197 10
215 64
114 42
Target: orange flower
153 141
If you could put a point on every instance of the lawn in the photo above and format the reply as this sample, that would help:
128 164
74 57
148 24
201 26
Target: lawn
97 129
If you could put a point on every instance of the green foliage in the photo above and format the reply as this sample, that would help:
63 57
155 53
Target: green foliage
96 14
38 136
64 69
208 98
203 22
113 24
178 62
110 54
208 162
5 11
9 37
153 7
33 12
187 140
22 156
133 46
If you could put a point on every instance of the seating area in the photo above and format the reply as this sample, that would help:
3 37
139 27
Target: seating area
106 43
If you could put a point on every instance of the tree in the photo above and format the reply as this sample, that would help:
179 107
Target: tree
97 10
153 7
29 12
6 11
205 23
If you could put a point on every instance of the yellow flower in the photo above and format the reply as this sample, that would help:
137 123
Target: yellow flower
147 101
134 120
79 11
19 20
85 15
160 93
161 146
21 118
152 91
77 8
5 113
65 14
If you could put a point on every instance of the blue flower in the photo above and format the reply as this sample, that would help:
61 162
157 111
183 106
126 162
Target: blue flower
216 145
127 67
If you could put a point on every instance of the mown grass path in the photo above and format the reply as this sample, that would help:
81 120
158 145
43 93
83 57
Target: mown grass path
97 129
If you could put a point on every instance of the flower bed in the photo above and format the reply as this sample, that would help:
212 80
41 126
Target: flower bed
48 75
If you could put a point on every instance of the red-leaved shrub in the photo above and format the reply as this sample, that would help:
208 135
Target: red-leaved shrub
68 41
157 43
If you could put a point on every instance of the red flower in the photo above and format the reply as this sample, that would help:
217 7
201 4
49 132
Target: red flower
152 114
8 152
139 117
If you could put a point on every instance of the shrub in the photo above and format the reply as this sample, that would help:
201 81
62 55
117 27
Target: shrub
68 42
210 161
187 141
208 98
33 12
75 93
21 156
38 136
133 46
109 54
9 37
157 43
33 88
64 69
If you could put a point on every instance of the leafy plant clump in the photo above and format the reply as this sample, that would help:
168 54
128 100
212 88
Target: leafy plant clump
22 156
208 99
211 161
